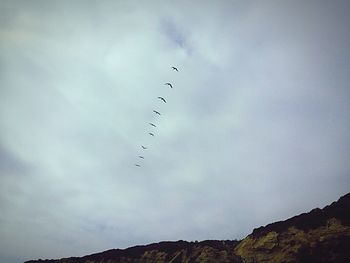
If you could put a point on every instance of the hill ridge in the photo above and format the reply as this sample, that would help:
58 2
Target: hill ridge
321 235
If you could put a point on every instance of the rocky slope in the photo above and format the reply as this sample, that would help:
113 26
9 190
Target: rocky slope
175 252
322 235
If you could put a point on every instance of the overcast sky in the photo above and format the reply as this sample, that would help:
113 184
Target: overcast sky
256 128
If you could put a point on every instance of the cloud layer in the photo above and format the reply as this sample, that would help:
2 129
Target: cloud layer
255 130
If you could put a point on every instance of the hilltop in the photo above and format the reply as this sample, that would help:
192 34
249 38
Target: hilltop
321 235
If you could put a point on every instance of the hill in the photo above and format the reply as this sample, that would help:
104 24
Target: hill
322 235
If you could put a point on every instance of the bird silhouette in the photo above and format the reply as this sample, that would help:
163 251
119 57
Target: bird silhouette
156 112
169 84
161 98
137 165
141 157
174 68
152 124
143 147
151 134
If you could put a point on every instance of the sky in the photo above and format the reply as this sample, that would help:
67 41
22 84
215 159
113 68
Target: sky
256 128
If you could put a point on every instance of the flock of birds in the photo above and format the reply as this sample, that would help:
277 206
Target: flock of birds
152 124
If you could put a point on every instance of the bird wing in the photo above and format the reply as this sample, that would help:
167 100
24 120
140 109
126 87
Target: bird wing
162 99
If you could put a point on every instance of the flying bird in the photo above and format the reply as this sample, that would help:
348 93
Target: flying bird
152 124
156 112
161 98
175 69
151 134
143 147
137 165
141 157
169 84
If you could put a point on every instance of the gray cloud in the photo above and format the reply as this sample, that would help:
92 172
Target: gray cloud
255 129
